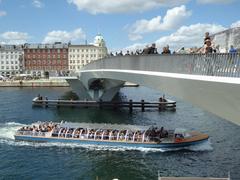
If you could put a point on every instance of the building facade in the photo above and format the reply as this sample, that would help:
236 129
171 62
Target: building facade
11 60
46 59
80 55
227 38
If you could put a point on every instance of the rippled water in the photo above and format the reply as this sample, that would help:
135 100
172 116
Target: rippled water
72 161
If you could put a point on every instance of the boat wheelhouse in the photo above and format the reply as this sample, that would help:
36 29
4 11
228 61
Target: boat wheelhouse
109 134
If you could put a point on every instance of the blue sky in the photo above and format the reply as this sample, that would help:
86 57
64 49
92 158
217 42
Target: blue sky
125 24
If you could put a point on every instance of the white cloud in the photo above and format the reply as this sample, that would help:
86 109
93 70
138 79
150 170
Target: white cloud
235 24
185 36
64 36
173 19
215 1
37 3
3 13
189 36
13 37
122 6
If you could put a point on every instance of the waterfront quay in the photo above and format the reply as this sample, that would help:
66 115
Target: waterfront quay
34 83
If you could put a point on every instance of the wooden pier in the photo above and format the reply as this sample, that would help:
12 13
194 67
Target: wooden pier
162 104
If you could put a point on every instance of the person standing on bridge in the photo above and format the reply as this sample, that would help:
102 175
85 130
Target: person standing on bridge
208 47
232 50
153 49
207 37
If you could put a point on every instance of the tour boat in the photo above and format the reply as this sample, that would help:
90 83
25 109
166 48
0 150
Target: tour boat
109 135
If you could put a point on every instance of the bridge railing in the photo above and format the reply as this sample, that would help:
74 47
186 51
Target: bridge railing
226 65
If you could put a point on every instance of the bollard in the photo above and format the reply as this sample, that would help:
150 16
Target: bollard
100 103
142 105
46 102
130 106
160 107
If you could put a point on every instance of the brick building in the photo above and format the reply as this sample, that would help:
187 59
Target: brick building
46 59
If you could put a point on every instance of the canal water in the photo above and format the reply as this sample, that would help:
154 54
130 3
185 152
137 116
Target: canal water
25 160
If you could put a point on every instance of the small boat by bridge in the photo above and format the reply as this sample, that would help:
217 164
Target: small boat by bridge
109 135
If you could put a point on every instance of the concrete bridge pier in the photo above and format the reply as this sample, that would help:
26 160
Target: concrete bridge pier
95 89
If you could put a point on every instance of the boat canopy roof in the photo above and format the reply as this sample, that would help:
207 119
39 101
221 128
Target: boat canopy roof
104 126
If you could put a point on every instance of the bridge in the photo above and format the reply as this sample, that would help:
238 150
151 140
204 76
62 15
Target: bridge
209 81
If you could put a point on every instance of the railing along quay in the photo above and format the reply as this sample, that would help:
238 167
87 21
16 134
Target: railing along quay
160 105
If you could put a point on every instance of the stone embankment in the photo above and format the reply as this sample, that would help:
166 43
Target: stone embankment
34 83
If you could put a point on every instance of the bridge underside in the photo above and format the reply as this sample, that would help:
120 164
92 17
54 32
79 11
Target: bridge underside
218 95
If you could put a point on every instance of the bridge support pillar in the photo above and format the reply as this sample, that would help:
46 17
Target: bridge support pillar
107 93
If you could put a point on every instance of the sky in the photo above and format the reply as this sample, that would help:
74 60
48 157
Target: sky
124 24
